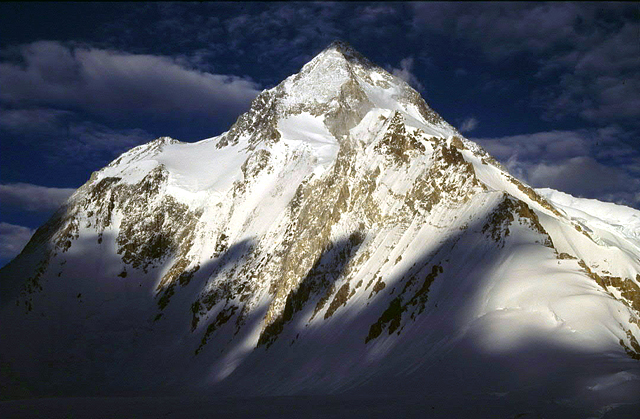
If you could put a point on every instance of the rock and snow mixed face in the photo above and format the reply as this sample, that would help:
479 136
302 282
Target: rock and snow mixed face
338 236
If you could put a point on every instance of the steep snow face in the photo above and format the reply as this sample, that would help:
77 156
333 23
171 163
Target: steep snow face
340 236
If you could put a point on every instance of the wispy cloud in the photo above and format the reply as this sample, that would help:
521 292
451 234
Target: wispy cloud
469 124
604 81
374 13
405 73
501 29
586 54
28 197
31 121
13 238
68 137
97 144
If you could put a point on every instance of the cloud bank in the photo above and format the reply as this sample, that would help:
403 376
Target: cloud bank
34 198
13 238
116 83
590 163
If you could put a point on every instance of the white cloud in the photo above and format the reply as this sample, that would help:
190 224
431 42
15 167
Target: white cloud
13 238
469 124
33 197
117 83
405 73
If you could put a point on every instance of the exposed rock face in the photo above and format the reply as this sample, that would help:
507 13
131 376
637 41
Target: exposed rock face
341 216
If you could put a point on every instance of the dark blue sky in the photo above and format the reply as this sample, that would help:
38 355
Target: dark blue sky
550 89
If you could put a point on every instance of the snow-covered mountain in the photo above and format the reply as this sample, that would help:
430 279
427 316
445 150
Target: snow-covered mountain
341 237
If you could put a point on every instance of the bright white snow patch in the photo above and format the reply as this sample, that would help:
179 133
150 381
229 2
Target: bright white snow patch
308 129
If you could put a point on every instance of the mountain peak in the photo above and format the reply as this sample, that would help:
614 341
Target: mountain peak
347 51
339 44
338 87
346 227
341 51
341 82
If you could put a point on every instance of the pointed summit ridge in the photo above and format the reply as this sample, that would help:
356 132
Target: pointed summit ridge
338 87
340 45
341 82
348 53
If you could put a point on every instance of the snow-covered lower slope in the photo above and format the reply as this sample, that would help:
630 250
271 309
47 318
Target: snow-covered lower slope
339 238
